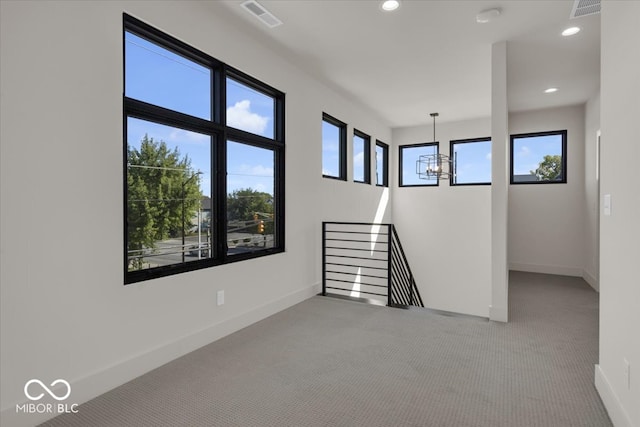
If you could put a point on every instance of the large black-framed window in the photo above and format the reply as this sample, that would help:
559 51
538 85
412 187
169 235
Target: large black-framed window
471 161
334 148
539 158
361 157
382 164
203 159
408 156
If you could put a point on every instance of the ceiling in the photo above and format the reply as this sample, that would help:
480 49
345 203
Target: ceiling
432 56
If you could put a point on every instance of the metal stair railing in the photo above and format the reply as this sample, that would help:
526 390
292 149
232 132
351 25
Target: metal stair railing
366 261
403 287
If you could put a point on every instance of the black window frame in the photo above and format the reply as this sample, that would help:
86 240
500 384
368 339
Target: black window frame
220 134
342 147
453 142
400 160
562 133
367 156
385 163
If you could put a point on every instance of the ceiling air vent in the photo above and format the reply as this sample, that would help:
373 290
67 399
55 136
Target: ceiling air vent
257 10
584 7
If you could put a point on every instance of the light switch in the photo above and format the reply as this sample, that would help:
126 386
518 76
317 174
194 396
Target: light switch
220 298
607 204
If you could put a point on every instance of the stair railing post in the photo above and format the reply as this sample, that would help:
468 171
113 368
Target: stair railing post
411 285
389 268
324 259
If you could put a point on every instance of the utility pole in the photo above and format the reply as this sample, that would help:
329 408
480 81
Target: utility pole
184 183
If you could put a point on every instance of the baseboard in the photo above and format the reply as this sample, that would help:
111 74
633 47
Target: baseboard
547 269
592 281
99 382
618 415
498 314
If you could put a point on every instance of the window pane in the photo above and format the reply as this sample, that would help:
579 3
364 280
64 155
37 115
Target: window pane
331 150
409 156
382 160
471 162
538 157
250 198
249 110
158 76
359 146
168 195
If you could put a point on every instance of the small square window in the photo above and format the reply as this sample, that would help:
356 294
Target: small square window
539 158
409 156
471 161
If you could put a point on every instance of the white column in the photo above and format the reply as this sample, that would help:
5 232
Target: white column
499 308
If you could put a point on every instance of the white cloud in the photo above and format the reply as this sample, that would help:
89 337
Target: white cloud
257 170
524 151
240 116
182 135
359 157
488 156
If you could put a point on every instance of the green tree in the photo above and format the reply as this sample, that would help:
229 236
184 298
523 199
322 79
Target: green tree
160 184
242 204
549 169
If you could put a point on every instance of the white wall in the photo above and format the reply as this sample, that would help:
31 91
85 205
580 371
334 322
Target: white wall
65 311
546 222
443 228
620 232
591 271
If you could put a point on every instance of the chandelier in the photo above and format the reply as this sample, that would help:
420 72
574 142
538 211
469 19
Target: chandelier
434 166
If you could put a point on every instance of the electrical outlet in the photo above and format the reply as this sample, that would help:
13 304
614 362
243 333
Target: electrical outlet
627 373
220 297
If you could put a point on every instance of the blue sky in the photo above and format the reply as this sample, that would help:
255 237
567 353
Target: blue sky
330 149
160 77
410 156
379 157
473 160
529 152
358 158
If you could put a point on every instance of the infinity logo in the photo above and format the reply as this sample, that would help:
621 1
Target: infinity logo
47 389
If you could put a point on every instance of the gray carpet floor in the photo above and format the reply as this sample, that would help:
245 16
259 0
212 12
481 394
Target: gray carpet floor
330 362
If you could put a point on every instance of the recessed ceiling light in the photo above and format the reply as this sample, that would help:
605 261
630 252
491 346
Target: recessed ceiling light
487 15
571 31
390 5
551 90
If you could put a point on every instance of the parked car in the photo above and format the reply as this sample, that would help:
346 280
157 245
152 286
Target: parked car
203 250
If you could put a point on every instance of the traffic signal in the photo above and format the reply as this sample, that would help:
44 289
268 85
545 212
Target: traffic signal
261 227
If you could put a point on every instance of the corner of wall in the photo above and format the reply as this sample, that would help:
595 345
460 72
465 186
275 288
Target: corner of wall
592 281
614 407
